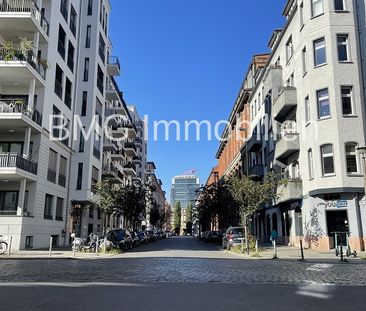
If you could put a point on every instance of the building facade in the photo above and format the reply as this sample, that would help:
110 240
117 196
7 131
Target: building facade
307 120
184 190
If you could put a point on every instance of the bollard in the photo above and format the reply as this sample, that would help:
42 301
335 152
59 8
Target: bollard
10 244
256 246
50 250
302 251
275 249
341 253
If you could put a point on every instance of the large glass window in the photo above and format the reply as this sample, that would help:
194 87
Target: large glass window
304 61
320 55
86 69
327 159
289 49
8 201
347 106
52 166
59 209
90 7
307 109
61 41
84 103
79 182
351 158
58 81
317 7
62 172
88 36
323 104
73 20
342 46
70 56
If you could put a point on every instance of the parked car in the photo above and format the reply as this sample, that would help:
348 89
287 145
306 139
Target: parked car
144 239
152 234
213 236
135 239
120 237
232 237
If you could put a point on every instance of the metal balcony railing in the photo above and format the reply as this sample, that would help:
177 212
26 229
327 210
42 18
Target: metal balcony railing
8 213
113 60
18 161
14 105
21 6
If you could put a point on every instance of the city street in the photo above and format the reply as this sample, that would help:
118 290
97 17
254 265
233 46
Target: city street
181 273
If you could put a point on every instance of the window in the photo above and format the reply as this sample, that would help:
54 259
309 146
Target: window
52 166
73 17
86 69
84 103
59 209
58 81
90 7
307 109
339 5
304 61
68 91
9 201
29 242
61 41
323 104
88 36
342 47
91 212
311 164
101 48
62 172
95 175
100 80
70 56
327 160
99 112
347 106
289 49
48 207
81 141
79 182
56 122
351 158
65 131
96 148
317 7
320 55
301 14
64 9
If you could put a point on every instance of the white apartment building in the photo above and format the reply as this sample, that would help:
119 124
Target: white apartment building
55 60
312 95
37 79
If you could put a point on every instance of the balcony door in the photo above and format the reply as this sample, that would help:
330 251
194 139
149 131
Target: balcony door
12 147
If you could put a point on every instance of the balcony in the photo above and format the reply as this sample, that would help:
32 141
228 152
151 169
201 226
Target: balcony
109 145
112 90
256 170
14 113
118 155
113 66
130 149
21 17
15 166
254 144
286 102
130 168
287 146
290 191
110 171
15 65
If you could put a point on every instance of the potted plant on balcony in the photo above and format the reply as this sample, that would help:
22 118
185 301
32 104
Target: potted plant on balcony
7 51
25 48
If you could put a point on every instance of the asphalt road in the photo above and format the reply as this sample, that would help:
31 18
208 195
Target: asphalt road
181 274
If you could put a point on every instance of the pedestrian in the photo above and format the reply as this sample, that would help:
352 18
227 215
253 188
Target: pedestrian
274 236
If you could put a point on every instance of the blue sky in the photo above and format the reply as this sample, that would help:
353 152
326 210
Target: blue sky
185 60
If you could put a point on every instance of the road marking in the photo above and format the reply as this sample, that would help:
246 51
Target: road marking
68 284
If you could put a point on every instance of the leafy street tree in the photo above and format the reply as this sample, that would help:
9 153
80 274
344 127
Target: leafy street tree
177 216
189 222
250 195
154 214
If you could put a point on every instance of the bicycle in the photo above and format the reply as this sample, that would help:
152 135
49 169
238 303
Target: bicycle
3 245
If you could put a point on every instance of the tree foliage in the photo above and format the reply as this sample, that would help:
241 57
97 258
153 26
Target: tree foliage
177 216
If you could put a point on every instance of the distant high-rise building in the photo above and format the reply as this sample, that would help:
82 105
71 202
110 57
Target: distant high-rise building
184 190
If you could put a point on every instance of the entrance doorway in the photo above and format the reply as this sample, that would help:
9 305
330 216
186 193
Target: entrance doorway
337 221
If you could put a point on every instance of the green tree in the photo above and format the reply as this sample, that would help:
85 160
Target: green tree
250 195
154 214
189 222
177 216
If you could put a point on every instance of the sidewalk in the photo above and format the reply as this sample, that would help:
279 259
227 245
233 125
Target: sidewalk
64 253
287 252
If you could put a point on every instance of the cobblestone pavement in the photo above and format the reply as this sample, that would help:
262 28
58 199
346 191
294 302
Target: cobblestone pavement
184 260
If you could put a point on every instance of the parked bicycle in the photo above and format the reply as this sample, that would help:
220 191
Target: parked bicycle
3 245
